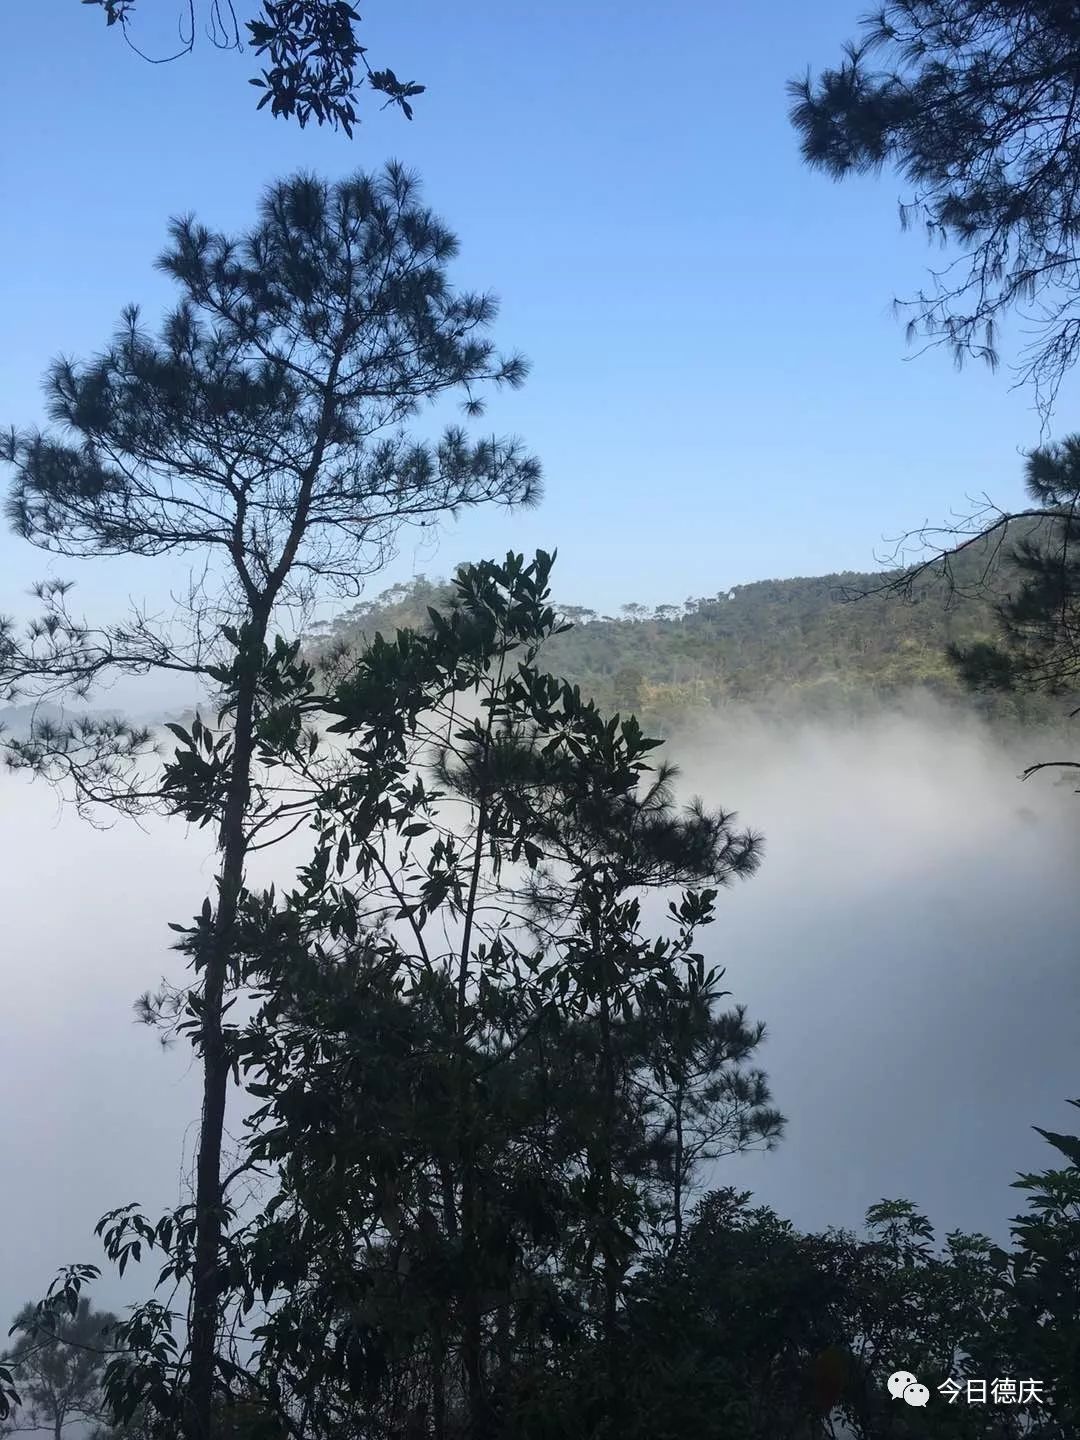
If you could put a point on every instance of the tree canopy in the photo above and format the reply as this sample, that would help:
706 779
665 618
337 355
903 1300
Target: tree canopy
482 1087
975 103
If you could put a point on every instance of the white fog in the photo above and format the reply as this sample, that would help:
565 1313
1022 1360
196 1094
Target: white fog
909 942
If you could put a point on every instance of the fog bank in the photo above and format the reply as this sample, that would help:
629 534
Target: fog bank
909 942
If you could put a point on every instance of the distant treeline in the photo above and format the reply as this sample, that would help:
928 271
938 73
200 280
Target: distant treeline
829 644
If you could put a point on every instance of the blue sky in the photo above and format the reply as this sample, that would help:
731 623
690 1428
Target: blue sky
720 389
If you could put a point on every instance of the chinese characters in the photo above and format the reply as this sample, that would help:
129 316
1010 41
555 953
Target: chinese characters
994 1392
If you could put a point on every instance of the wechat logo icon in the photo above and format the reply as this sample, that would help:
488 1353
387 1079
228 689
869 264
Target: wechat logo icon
904 1386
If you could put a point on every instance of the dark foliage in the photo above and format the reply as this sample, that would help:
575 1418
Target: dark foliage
483 1096
1039 645
975 103
481 1089
262 431
316 65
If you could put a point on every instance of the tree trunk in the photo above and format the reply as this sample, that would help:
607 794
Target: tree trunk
607 1184
472 1330
438 1383
449 1199
505 1351
472 1342
679 1161
472 1333
206 1280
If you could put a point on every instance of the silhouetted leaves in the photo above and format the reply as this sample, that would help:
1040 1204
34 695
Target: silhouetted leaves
315 63
973 102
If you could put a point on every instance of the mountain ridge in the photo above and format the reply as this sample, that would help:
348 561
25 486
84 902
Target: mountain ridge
816 645
822 644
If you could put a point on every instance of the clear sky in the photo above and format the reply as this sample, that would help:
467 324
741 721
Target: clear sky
721 391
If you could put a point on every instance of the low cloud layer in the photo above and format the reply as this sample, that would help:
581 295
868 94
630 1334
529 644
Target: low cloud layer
909 941
911 944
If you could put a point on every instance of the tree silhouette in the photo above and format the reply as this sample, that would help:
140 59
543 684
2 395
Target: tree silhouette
58 1364
316 63
975 103
263 432
444 1041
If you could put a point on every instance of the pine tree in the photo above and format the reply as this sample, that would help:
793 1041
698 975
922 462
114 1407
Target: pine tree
262 432
974 103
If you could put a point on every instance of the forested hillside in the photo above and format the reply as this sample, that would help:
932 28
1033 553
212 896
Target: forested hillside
821 645
816 645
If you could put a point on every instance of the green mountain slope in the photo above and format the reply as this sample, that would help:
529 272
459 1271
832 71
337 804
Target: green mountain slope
815 645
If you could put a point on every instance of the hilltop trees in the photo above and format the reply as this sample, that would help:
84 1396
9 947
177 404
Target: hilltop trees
261 432
781 647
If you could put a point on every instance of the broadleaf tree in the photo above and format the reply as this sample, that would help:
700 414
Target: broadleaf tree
316 65
456 1160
